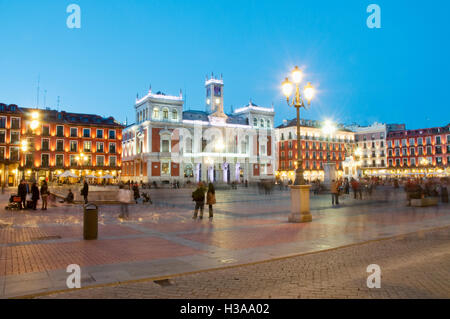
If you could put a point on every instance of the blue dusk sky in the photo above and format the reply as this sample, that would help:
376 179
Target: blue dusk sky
397 74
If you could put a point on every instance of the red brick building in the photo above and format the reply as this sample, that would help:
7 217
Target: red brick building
10 136
86 144
318 148
427 148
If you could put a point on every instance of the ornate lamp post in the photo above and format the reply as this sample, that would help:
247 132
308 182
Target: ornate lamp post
299 191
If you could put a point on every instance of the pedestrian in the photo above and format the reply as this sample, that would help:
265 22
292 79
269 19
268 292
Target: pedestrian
22 193
136 192
125 199
444 192
211 199
34 195
198 196
85 191
334 192
44 195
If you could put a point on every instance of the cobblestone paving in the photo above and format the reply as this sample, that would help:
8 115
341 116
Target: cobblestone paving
412 266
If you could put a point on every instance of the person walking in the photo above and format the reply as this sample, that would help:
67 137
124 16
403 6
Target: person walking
125 199
334 192
44 195
198 196
34 195
22 193
211 199
85 192
136 192
444 192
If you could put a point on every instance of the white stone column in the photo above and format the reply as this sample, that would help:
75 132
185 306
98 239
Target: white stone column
300 211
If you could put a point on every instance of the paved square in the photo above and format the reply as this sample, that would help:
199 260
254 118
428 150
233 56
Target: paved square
162 239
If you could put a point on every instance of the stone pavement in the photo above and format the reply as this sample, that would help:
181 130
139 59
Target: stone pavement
162 239
412 266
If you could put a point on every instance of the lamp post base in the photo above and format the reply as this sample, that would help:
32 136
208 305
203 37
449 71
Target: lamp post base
300 212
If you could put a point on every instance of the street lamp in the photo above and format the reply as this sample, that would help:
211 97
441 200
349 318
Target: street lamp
299 191
298 103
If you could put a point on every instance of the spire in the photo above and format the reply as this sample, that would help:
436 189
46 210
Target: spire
181 93
150 89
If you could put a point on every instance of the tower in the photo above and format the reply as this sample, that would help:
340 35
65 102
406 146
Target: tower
214 96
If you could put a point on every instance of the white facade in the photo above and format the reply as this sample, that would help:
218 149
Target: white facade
167 144
371 143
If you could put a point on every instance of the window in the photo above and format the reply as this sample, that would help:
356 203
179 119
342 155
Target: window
428 139
290 154
59 160
438 149
165 114
2 122
99 133
60 131
390 144
15 137
73 161
156 113
2 137
165 146
420 151
100 160
88 160
45 160
73 132
45 144
112 148
255 122
397 162
405 162
390 163
15 123
45 130
405 151
290 144
112 161
262 123
86 132
438 140
412 151
13 153
404 142
397 152
282 136
100 147
268 124
2 153
29 160
420 141
87 146
428 150
60 145
175 115
411 142
438 160
413 162
390 153
165 169
112 134
397 143
74 146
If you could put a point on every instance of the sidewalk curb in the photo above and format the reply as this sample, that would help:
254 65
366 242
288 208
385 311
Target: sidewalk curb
48 293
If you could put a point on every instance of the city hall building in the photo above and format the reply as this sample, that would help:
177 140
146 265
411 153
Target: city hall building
168 143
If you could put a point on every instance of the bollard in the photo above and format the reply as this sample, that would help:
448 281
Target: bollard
90 222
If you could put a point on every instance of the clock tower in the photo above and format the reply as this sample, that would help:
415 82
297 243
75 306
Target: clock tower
214 96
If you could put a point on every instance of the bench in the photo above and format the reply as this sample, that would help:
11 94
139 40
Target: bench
424 202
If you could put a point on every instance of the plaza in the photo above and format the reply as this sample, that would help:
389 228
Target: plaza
249 229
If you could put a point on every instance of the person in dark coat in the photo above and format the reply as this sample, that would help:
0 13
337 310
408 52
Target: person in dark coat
85 192
444 192
44 195
22 193
34 195
198 196
136 192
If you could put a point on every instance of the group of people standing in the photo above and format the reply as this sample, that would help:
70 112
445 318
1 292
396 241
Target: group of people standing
198 196
36 194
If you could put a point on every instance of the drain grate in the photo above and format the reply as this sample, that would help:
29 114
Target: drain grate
46 238
163 282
